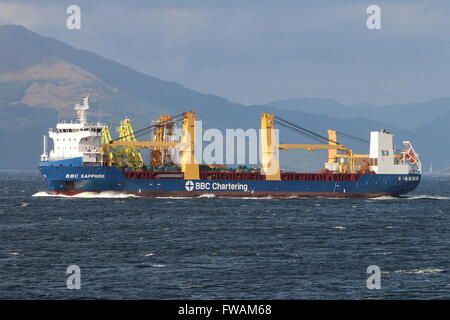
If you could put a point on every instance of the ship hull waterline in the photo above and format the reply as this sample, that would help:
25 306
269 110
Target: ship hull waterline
232 195
74 180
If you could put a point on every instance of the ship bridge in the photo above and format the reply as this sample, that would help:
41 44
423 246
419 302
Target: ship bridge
75 143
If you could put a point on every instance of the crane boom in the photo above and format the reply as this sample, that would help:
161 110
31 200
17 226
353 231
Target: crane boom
144 144
189 166
311 147
271 164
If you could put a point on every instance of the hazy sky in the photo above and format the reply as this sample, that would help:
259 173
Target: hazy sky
258 51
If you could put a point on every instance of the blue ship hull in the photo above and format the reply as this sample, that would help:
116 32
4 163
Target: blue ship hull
74 179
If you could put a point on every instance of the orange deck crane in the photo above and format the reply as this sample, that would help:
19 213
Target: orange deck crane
270 161
186 144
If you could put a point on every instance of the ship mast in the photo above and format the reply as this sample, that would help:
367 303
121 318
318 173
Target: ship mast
44 155
81 110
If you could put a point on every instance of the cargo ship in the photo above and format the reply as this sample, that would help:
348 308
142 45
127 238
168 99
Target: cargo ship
85 158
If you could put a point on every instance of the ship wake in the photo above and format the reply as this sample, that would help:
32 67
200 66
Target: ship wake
412 197
87 194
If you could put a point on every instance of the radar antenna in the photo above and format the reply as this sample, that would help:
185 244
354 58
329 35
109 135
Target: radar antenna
81 110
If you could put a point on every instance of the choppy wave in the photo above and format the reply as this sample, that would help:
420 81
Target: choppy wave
413 197
13 253
158 266
385 253
384 198
119 194
420 271
253 198
87 194
192 287
210 195
207 195
426 197
175 198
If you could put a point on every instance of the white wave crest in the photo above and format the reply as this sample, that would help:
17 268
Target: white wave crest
158 266
207 195
88 194
175 198
385 253
253 198
414 197
384 198
119 194
420 197
421 271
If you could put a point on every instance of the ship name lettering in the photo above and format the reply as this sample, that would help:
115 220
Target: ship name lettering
92 175
221 186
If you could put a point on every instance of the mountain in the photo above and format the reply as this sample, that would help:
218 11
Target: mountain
42 78
321 106
434 143
409 116
423 123
21 131
49 73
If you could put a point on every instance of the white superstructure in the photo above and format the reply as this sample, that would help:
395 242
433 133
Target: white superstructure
384 160
76 139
